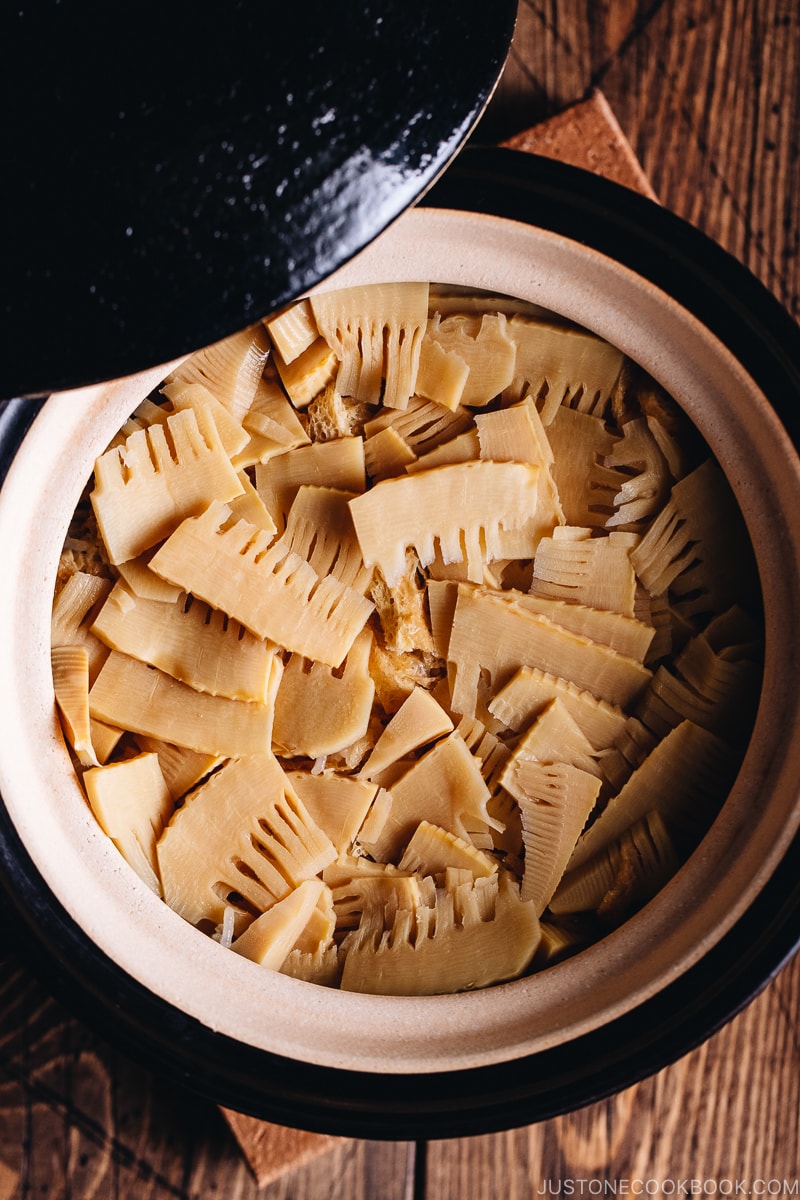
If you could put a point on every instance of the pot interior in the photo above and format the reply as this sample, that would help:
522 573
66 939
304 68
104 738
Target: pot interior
119 914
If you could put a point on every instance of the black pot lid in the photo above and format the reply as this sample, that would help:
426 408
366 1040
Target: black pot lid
717 290
175 171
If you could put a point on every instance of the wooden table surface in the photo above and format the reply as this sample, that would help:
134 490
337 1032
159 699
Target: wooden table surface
708 94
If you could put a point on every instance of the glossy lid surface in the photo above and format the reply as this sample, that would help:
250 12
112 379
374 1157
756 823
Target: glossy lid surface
180 170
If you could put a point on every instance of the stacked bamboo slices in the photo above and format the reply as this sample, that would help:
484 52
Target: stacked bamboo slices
408 641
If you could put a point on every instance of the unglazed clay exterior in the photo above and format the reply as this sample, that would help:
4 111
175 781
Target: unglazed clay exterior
397 1034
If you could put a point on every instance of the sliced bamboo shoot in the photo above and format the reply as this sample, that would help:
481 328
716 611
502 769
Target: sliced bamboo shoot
495 634
191 642
577 368
433 849
134 696
376 332
337 803
319 711
272 936
230 369
267 588
338 464
684 778
419 721
555 801
132 805
74 610
71 685
319 528
144 489
196 397
293 330
463 507
245 833
445 787
483 345
439 950
529 690
586 487
594 571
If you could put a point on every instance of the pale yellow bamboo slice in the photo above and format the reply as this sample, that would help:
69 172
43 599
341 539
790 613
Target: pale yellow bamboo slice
685 777
144 489
376 333
462 507
272 936
337 464
131 695
461 942
74 610
482 343
70 666
445 786
293 330
698 546
419 721
309 373
338 803
243 839
529 690
196 396
231 369
132 804
424 425
577 368
432 850
555 800
594 571
272 591
581 444
494 634
191 642
319 711
273 425
320 529
642 496
182 768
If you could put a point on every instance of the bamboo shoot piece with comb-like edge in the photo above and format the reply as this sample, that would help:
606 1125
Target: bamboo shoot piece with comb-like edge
272 936
264 585
145 488
70 665
231 369
243 838
482 933
319 711
190 641
685 777
482 343
376 333
444 786
464 507
574 366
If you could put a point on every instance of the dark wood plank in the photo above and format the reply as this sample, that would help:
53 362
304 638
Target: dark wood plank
707 94
726 1112
80 1120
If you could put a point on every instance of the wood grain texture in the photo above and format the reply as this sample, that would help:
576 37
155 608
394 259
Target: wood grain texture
708 94
730 1110
80 1121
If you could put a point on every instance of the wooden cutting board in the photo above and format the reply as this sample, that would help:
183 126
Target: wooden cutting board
585 135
